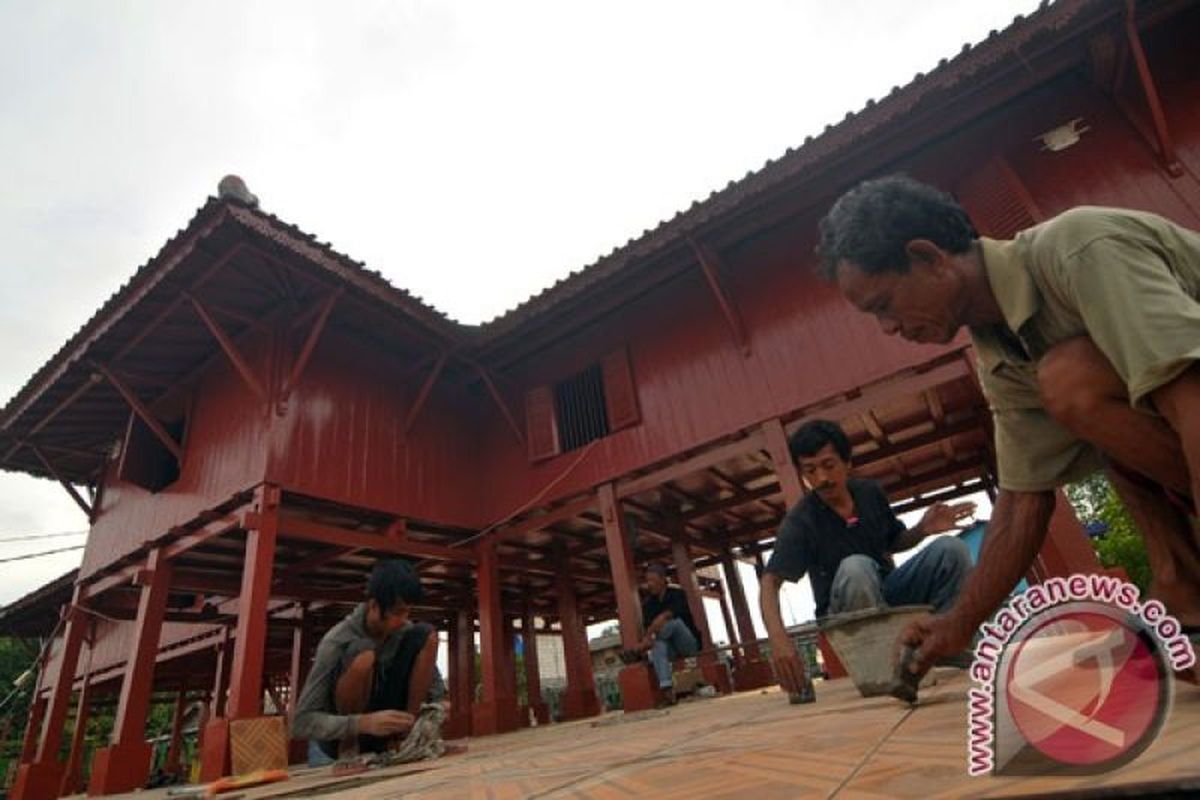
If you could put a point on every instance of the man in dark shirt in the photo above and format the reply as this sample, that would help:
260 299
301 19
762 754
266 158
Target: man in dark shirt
670 631
843 534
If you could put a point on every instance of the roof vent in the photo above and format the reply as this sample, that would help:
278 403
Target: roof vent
233 187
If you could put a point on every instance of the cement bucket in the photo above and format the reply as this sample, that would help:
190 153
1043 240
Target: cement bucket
865 641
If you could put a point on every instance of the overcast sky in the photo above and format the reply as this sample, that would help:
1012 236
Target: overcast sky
473 152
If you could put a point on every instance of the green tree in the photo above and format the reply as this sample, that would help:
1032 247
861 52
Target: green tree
1095 500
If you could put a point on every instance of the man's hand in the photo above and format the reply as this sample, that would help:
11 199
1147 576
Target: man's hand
941 517
385 723
933 637
789 669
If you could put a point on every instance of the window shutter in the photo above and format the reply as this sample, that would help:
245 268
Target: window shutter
540 429
997 202
620 392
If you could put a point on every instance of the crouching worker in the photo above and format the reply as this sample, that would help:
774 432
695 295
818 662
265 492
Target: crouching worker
372 672
842 534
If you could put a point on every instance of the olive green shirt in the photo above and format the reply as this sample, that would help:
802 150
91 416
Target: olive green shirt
1129 280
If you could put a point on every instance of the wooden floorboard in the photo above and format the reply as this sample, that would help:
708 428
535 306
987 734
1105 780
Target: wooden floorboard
751 745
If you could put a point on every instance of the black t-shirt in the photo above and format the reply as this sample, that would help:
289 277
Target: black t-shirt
674 600
814 538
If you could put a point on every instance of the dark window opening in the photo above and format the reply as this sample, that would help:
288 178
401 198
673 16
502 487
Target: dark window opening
580 410
145 460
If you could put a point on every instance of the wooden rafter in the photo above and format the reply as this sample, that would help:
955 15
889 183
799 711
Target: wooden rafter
486 377
87 509
142 411
709 264
1166 144
423 394
310 343
230 349
79 391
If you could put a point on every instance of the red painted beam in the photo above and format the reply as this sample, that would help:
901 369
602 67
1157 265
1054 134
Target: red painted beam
423 393
79 501
310 343
620 557
245 686
709 264
295 528
230 349
144 413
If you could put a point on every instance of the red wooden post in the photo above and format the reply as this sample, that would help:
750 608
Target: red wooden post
711 668
1066 549
43 776
509 663
245 667
33 729
73 773
579 699
171 764
125 764
297 675
781 460
730 630
533 677
496 711
249 650
462 675
753 672
638 687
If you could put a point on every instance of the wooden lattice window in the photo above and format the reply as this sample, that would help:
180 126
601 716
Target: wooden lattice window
592 403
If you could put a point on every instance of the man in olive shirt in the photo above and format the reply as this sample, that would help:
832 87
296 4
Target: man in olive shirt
1087 329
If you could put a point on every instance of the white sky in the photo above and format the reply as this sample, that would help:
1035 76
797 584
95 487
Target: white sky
473 152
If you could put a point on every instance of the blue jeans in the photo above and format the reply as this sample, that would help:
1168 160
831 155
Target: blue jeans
933 577
674 640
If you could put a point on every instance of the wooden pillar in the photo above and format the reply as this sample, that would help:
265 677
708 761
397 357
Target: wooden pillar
753 672
730 629
124 765
33 728
249 650
711 668
245 667
297 674
533 677
781 460
1066 550
579 698
496 711
171 764
42 776
639 689
73 774
462 675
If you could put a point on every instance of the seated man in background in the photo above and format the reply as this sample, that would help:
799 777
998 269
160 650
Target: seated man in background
842 535
670 630
371 673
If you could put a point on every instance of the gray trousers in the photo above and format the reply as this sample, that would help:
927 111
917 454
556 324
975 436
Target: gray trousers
933 576
674 640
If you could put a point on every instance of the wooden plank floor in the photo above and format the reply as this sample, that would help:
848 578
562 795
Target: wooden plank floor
750 745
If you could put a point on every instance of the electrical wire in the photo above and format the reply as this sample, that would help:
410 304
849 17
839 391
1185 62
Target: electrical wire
33 536
43 553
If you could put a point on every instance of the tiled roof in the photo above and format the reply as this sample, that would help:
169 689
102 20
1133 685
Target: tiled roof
970 62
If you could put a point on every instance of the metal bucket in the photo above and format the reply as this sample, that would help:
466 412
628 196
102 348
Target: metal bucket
865 641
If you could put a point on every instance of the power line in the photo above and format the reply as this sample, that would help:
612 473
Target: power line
33 536
39 555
